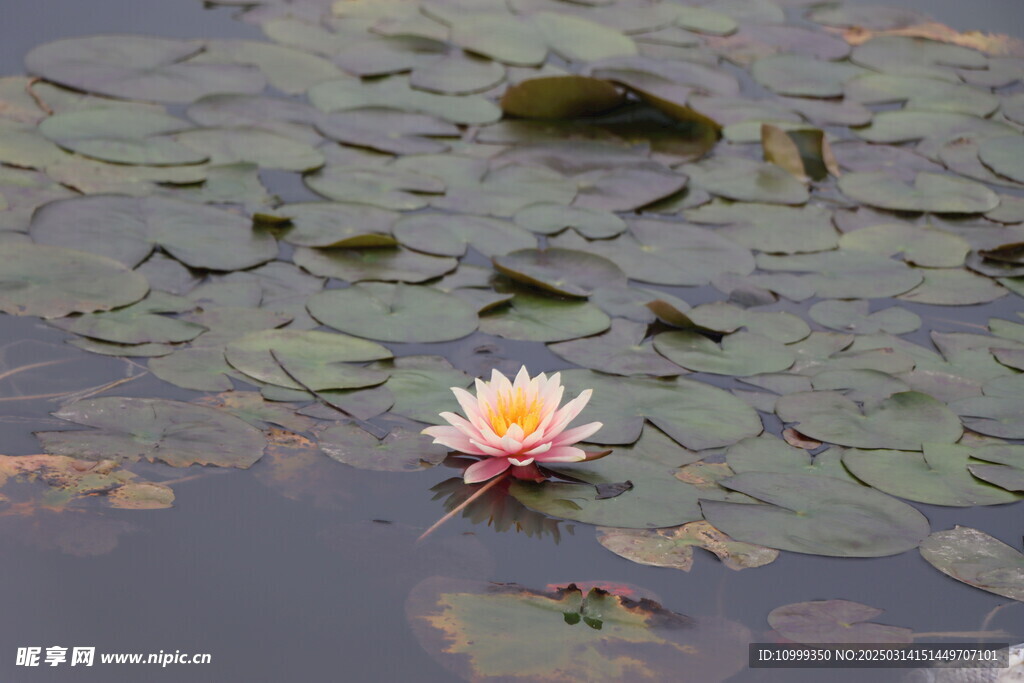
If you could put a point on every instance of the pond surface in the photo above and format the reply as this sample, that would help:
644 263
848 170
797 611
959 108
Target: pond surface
301 568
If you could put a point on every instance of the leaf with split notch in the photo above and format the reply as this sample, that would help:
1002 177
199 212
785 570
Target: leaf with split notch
392 264
992 415
421 387
319 357
395 93
338 224
803 76
501 36
673 547
1003 155
834 621
977 559
388 130
853 316
394 313
920 245
532 316
769 227
1007 470
402 450
384 187
818 515
931 192
549 219
904 421
458 74
694 414
254 145
179 434
200 369
746 180
953 287
580 40
562 271
847 274
447 235
619 351
740 353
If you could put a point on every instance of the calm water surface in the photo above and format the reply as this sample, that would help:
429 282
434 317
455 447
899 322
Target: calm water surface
299 584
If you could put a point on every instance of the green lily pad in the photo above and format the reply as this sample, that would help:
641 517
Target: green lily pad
922 246
834 621
421 387
395 93
138 323
179 434
666 253
740 353
139 68
457 74
929 94
127 229
562 271
619 351
249 144
1003 155
1007 470
694 414
52 282
500 36
847 274
560 97
746 180
536 317
386 187
318 357
289 70
953 287
915 56
673 547
871 17
903 421
853 316
549 219
724 317
200 369
977 559
378 263
818 515
936 127
337 224
930 192
992 415
464 625
447 235
768 453
580 40
394 313
770 228
122 136
287 117
939 476
402 450
803 76
649 465
388 130
854 155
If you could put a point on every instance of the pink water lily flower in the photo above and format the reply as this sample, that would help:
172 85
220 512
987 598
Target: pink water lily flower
515 424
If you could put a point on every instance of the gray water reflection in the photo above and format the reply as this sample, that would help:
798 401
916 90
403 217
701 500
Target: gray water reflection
296 582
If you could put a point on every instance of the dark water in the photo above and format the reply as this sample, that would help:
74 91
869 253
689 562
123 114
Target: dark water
298 584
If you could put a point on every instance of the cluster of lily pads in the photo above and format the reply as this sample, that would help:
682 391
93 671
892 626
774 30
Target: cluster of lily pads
566 174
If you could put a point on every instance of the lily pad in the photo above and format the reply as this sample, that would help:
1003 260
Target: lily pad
673 547
52 282
421 387
740 353
394 313
139 68
770 228
447 235
803 76
694 414
819 515
386 187
562 271
402 450
903 421
560 97
336 224
847 274
388 130
1006 470
930 192
992 415
457 74
619 351
920 245
1003 155
939 476
139 323
953 287
548 219
379 263
977 559
834 621
395 92
746 180
128 228
535 317
179 434
319 357
853 316
580 40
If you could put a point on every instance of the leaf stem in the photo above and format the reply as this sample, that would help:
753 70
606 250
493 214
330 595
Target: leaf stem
462 506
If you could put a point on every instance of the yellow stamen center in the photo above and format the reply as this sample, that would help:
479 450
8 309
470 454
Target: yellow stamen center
513 408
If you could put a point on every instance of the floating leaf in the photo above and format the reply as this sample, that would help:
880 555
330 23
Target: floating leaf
1007 472
673 547
249 144
394 313
619 351
939 476
922 246
853 316
953 287
457 74
977 559
581 40
847 274
694 414
139 67
915 56
289 70
930 192
421 386
535 317
560 97
816 514
447 235
388 130
500 36
52 282
834 621
179 434
402 450
740 353
992 415
395 93
386 187
770 228
1003 155
200 369
794 74
336 224
929 94
746 180
128 228
903 421
465 626
548 219
562 271
380 263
